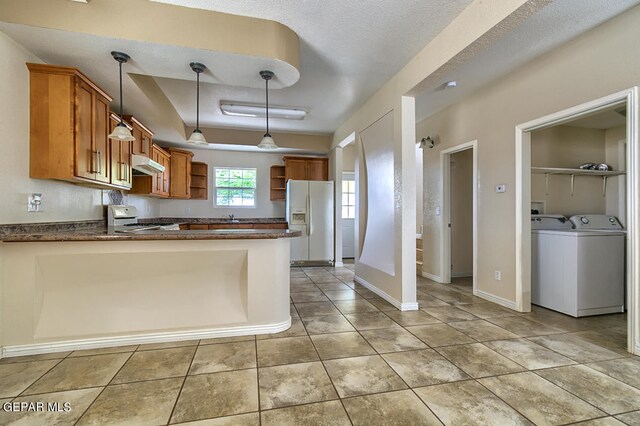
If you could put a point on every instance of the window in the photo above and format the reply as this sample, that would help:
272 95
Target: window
235 187
348 199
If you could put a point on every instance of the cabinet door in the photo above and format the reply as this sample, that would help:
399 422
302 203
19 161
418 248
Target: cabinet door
101 138
86 161
156 180
317 169
180 177
166 162
125 158
137 144
145 143
295 169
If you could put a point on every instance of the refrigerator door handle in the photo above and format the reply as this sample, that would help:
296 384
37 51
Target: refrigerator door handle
308 218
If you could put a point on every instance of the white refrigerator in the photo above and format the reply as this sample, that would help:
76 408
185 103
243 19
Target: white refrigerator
310 209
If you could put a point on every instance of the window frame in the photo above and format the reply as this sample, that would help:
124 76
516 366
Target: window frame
353 206
216 187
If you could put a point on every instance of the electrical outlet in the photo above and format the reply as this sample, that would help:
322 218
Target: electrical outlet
497 275
187 210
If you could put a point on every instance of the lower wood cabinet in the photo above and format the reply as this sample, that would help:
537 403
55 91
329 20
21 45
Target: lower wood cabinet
204 226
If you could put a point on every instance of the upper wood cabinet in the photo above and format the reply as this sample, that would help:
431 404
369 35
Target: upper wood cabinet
69 127
158 184
180 176
306 168
120 157
144 137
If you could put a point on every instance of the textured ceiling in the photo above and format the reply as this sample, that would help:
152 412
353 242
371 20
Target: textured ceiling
348 50
555 24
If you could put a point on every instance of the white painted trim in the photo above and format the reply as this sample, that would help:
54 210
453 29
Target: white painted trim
338 264
462 274
433 277
411 306
495 299
445 240
139 339
523 131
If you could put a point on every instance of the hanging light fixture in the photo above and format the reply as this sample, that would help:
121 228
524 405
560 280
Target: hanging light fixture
197 138
121 132
267 141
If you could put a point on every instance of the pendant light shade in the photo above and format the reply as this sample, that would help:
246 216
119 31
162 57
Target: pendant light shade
267 141
121 132
197 138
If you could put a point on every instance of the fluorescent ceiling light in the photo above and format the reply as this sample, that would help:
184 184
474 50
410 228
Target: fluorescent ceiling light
253 110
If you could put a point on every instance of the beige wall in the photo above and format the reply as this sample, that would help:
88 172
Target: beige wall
462 213
480 23
349 158
568 147
616 185
61 201
593 65
205 208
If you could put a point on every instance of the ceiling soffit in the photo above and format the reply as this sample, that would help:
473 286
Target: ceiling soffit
161 24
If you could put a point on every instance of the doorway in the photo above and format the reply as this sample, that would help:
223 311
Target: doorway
626 100
348 215
459 214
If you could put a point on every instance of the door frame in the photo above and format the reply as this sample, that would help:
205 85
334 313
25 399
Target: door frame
445 240
628 98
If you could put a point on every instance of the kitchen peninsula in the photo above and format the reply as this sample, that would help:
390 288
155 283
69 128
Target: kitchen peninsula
88 287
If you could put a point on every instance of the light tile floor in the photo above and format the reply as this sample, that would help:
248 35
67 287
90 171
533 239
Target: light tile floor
351 358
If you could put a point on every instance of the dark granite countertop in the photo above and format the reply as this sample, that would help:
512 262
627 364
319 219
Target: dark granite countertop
103 234
211 220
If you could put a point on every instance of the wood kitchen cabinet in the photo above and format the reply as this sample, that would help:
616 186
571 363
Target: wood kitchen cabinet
120 157
199 181
180 173
69 127
158 184
144 137
306 168
277 185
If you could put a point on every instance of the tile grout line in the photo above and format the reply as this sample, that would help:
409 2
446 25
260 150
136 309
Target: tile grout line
175 404
324 367
103 389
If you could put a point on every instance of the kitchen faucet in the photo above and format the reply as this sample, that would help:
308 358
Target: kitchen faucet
231 217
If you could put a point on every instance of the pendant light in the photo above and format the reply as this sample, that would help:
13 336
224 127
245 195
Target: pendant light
121 132
197 138
267 141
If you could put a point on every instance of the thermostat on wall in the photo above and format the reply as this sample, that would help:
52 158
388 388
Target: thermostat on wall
501 188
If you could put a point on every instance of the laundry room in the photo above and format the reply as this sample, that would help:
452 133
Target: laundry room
578 210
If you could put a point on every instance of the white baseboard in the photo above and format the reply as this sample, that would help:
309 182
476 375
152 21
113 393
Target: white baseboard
407 306
495 299
139 339
338 264
432 277
461 274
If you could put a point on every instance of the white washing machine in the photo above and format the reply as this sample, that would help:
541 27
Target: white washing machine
580 271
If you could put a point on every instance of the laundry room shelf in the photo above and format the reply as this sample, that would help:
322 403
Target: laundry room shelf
547 171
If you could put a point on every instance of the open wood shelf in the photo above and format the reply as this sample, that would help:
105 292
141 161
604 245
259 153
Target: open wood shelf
278 190
199 181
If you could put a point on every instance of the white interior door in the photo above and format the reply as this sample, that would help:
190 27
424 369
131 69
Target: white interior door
348 215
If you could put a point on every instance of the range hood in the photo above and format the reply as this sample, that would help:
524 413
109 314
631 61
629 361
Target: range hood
145 165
